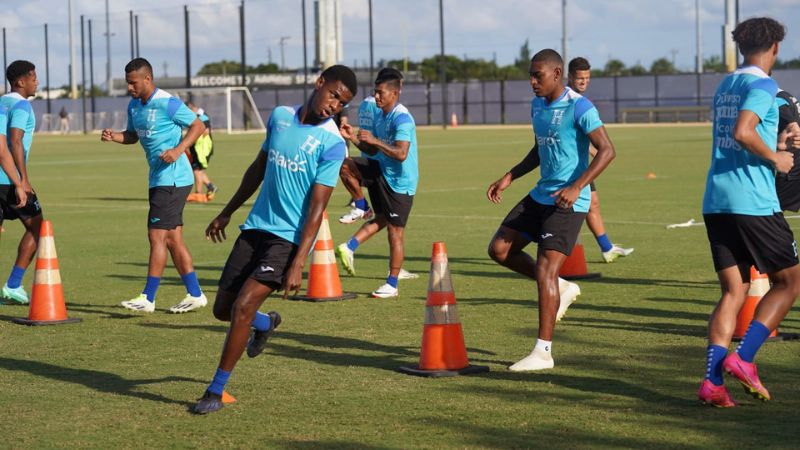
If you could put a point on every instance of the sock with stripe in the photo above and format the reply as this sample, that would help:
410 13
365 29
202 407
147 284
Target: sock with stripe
756 334
715 354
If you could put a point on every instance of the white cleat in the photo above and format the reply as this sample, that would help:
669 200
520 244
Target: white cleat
569 295
189 303
140 304
406 275
386 291
615 252
356 214
346 257
537 360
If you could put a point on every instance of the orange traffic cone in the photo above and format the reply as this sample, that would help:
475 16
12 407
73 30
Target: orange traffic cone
759 285
443 353
453 120
47 299
323 276
574 267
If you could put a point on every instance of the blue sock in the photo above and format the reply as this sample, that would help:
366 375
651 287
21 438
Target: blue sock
261 322
191 283
362 204
756 334
391 281
151 287
218 383
715 354
15 278
352 244
604 242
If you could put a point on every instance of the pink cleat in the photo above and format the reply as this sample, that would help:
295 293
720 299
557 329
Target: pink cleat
747 374
718 396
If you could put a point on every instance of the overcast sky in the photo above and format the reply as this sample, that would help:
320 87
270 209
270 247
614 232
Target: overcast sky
635 31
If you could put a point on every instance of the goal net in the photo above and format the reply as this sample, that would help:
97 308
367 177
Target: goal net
230 108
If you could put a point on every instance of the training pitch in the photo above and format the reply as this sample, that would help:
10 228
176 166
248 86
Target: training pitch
629 354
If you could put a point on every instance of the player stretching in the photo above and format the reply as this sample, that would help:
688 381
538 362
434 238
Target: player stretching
578 79
297 167
552 213
391 176
155 119
743 218
21 121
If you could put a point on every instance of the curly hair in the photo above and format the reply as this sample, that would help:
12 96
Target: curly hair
758 34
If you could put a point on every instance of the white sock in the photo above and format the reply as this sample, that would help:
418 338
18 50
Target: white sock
544 346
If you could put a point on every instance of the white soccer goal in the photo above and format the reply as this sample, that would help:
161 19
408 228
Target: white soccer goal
231 108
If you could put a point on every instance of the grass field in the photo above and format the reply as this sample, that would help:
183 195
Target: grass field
629 354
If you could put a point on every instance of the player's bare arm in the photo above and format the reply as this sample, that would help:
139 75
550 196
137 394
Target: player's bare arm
195 131
566 197
251 180
120 137
527 165
746 135
18 155
320 194
7 164
398 151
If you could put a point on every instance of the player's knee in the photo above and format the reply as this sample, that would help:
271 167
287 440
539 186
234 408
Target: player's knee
497 252
244 309
222 311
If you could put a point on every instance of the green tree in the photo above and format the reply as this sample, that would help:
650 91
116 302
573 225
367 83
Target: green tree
637 69
714 64
662 66
614 67
226 67
524 60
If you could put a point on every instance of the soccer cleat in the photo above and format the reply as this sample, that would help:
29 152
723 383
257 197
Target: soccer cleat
537 360
259 338
615 252
718 396
406 275
208 403
386 291
568 297
346 257
747 374
189 303
140 303
355 214
16 295
212 191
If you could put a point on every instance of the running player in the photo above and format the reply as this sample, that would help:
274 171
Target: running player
297 168
742 214
565 123
199 155
155 119
578 79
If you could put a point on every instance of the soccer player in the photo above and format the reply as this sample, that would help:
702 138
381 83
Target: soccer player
21 121
155 119
297 168
7 163
787 185
391 175
199 155
368 112
565 123
578 78
742 214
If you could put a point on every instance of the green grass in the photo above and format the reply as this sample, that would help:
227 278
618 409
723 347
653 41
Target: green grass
629 354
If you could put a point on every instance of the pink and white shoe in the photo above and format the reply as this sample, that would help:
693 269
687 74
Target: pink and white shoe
747 374
718 396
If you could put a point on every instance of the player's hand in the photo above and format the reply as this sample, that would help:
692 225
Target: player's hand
22 196
366 137
495 191
346 130
783 161
26 186
171 155
565 198
293 278
215 231
789 138
107 135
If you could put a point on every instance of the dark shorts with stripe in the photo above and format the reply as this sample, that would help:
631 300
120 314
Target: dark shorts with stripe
762 241
8 204
551 227
166 206
394 206
259 255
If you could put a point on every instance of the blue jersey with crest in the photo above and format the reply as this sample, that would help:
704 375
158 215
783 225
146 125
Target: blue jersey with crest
158 122
19 114
738 181
561 130
298 156
401 176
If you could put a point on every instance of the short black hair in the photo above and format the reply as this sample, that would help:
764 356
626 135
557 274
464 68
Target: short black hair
579 63
18 69
343 74
138 63
550 56
758 34
389 75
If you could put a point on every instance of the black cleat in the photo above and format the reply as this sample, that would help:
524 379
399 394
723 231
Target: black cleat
208 403
259 338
